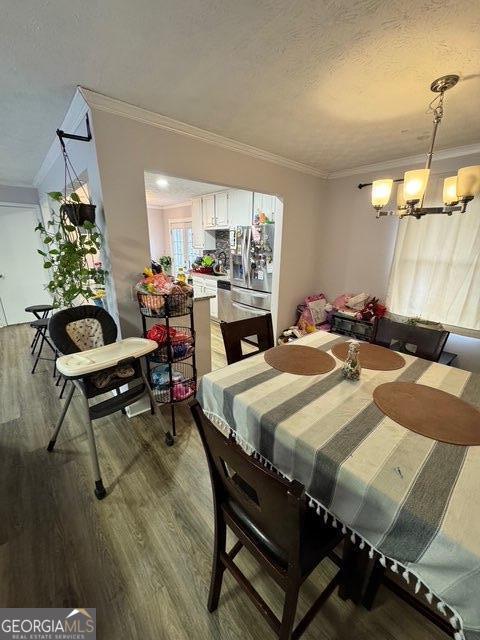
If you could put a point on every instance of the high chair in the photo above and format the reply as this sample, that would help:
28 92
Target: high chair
96 364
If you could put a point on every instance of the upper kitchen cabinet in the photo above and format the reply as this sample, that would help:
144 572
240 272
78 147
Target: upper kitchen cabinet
201 239
222 209
267 204
240 207
198 235
208 206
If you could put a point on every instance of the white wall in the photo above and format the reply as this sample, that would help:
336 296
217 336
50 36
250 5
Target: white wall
18 195
357 249
127 147
159 230
156 233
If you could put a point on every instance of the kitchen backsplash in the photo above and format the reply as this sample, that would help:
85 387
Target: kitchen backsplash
222 243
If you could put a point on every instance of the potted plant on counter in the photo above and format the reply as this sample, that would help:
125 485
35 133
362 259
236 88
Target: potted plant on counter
204 264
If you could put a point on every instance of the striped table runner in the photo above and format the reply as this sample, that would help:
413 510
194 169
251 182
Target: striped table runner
414 501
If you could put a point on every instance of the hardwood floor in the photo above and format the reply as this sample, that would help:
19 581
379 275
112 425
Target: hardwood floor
142 556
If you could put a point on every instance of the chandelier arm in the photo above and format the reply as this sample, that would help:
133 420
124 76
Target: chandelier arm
369 184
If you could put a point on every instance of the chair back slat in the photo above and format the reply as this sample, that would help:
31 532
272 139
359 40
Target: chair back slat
273 504
418 341
259 327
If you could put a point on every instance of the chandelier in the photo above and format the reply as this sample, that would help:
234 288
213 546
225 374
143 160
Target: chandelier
457 190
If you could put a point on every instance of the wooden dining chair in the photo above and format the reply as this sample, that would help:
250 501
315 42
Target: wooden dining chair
270 518
417 341
259 327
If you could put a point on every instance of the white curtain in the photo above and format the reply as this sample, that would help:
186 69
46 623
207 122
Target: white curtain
436 267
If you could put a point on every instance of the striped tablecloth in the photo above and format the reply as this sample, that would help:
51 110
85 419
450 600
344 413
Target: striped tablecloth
414 501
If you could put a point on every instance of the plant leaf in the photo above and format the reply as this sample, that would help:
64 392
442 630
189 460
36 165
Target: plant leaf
74 197
56 195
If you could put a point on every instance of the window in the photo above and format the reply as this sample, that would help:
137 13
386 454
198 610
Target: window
436 268
183 253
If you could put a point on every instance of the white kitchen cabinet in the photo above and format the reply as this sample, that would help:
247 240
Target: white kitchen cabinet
222 209
198 234
240 206
208 207
267 204
201 239
278 209
214 307
198 287
206 286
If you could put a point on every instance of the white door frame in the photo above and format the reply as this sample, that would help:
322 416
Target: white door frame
171 223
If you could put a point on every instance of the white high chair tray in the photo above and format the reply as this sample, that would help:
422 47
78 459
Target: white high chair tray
84 362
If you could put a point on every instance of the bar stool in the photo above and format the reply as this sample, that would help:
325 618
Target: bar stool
40 311
41 327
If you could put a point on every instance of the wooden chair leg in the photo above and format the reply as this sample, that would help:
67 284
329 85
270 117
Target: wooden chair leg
218 568
289 610
373 585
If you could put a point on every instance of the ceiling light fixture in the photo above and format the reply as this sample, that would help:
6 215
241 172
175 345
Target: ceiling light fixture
457 190
162 183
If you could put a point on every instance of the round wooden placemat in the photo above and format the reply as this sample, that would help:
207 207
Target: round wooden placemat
299 359
429 412
371 356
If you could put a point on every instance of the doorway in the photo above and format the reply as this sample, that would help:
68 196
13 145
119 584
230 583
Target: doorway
22 276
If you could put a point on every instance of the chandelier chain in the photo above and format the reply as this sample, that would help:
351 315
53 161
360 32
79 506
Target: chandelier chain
436 107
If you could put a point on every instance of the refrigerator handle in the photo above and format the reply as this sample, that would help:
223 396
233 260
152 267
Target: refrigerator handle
245 258
248 244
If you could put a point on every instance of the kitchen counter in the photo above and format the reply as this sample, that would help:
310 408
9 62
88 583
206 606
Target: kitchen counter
210 276
205 297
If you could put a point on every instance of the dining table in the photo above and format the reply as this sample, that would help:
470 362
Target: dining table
410 501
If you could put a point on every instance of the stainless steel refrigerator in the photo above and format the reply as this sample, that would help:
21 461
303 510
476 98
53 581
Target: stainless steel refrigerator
251 270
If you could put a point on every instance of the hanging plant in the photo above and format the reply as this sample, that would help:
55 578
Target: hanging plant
78 212
72 241
69 253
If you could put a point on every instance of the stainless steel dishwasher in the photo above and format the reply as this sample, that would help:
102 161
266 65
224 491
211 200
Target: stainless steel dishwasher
224 298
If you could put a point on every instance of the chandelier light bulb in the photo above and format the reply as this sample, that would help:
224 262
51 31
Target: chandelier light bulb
381 190
468 182
415 184
450 191
401 202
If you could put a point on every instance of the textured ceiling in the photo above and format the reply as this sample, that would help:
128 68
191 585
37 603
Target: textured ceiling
332 83
177 191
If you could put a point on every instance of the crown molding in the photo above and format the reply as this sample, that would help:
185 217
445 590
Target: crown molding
117 107
17 185
74 116
177 205
440 154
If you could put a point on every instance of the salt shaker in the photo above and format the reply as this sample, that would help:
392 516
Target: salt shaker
351 369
